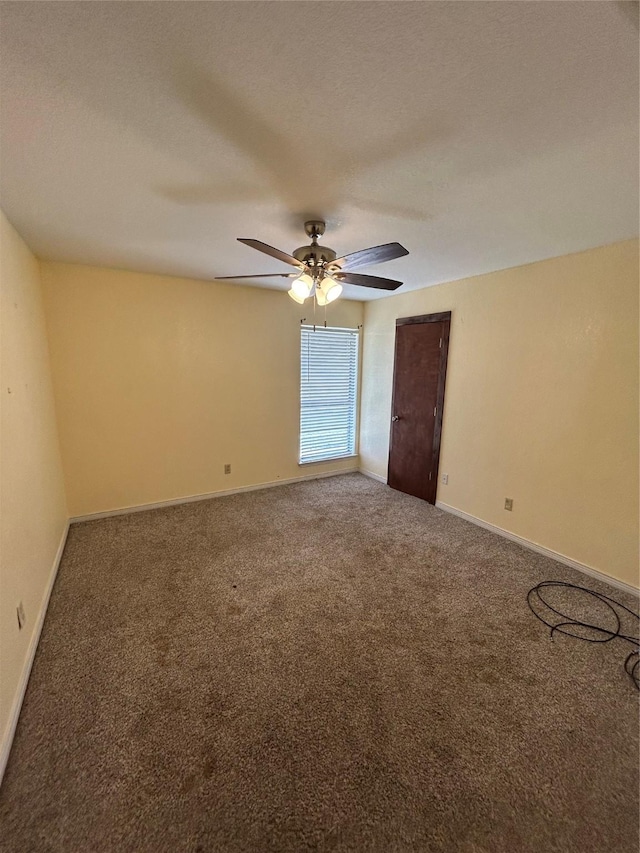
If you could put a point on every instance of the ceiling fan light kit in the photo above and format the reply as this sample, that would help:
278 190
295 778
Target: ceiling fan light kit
303 286
328 290
299 299
320 273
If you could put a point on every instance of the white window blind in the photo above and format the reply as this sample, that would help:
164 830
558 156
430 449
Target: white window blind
328 393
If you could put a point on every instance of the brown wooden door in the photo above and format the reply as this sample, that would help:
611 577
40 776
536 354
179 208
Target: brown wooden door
422 345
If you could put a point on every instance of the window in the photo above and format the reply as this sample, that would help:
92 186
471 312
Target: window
328 393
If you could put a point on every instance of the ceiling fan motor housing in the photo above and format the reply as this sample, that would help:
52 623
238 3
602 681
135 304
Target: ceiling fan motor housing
314 256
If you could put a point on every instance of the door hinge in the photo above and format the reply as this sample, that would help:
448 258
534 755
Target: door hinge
440 343
429 474
435 411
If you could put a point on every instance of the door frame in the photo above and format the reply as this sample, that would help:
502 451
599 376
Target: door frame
443 317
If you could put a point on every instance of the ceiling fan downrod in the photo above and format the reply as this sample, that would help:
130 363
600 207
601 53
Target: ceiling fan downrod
316 257
314 228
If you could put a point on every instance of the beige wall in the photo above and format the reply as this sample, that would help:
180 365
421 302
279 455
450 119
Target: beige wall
32 503
541 401
160 381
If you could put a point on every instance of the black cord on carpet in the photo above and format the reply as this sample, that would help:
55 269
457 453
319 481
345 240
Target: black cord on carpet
592 633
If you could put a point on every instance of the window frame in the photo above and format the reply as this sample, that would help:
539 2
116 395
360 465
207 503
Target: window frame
354 332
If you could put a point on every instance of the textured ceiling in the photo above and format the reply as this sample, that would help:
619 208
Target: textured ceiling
149 136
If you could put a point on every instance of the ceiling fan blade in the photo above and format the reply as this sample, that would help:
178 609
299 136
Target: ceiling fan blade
261 275
366 280
374 255
274 253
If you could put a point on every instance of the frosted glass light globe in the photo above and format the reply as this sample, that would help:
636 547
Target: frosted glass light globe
328 291
302 286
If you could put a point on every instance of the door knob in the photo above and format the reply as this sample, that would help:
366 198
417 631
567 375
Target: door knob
395 418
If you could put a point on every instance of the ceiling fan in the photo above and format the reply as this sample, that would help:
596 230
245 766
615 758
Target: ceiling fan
320 273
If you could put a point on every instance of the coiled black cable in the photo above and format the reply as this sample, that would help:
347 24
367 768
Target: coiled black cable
598 633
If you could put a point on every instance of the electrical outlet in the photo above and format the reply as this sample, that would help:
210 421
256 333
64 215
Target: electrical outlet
21 616
227 469
445 479
508 504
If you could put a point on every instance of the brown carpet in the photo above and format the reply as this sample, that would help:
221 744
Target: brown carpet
323 666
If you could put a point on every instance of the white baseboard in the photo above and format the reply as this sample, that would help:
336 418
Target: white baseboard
540 549
94 516
373 476
7 739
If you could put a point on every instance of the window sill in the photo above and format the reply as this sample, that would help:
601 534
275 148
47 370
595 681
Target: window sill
322 461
